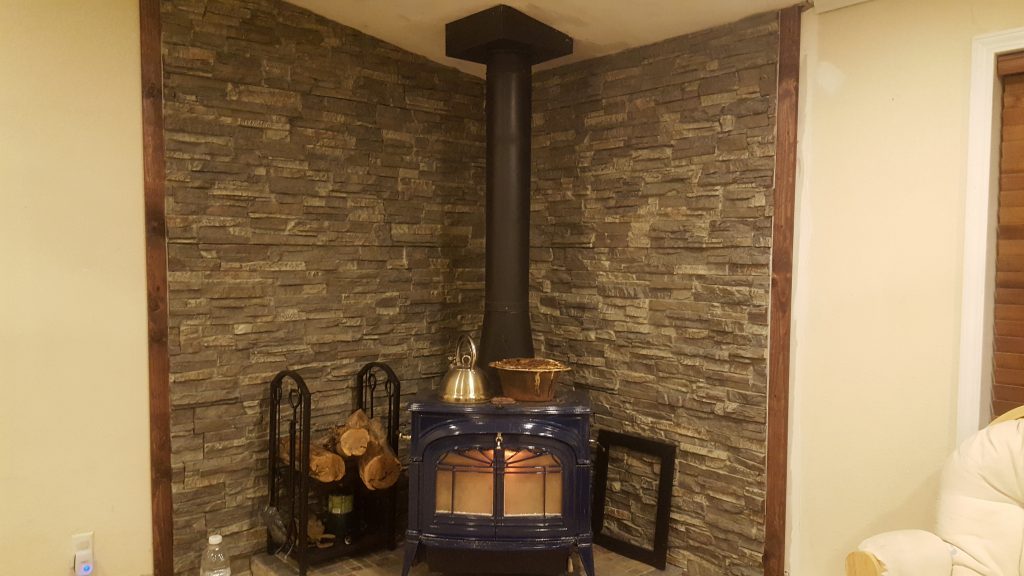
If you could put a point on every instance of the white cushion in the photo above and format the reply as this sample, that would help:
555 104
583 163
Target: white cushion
980 505
910 553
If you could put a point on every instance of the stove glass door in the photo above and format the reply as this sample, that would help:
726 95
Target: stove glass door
529 478
533 484
465 483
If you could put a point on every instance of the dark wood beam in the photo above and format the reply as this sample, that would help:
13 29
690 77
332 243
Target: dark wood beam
156 287
1012 63
781 291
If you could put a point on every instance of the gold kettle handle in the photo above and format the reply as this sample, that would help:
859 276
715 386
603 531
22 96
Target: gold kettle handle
459 356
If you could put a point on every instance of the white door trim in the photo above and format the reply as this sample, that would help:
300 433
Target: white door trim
981 201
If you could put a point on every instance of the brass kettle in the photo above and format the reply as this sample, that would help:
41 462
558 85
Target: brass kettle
464 383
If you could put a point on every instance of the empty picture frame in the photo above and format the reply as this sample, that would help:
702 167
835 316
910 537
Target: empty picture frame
666 453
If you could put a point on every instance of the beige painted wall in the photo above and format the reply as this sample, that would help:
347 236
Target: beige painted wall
876 309
884 100
74 447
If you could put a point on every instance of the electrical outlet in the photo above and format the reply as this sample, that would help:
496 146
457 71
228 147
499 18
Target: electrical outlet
81 542
82 552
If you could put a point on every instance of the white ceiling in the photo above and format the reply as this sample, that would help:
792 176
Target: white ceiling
598 27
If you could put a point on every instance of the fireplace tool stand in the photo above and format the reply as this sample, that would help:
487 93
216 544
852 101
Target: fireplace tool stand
370 517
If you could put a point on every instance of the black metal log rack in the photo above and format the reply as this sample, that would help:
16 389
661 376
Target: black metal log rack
295 496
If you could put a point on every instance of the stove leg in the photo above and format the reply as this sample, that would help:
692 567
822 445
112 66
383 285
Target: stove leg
411 546
586 552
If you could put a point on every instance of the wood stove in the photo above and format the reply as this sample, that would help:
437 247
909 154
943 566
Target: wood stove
488 478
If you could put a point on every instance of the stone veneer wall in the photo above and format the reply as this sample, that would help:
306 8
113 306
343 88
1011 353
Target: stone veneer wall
324 210
653 177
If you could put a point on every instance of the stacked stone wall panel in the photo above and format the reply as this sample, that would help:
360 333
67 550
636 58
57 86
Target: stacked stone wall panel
651 243
323 190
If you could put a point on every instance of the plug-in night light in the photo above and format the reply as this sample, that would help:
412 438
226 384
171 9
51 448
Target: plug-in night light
83 563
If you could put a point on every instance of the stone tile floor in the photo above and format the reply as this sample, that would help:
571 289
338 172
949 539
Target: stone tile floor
389 563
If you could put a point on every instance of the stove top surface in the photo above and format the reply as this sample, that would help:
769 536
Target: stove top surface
566 401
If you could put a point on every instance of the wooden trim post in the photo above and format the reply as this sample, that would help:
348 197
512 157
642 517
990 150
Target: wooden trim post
156 287
781 291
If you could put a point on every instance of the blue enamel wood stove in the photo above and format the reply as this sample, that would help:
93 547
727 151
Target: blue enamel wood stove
500 489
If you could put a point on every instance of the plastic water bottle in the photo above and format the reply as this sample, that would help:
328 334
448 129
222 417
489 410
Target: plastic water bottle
215 562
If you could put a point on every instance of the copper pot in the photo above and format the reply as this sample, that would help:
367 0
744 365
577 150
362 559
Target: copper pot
464 383
528 379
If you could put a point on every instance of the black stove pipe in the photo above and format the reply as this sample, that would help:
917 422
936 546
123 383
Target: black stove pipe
506 329
509 43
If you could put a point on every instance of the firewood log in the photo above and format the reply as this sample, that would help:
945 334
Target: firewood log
379 468
353 441
364 438
358 419
351 438
376 431
324 465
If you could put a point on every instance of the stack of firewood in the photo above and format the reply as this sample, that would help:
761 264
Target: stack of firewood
361 439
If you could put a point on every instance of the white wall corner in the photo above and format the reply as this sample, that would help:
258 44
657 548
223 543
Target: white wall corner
822 6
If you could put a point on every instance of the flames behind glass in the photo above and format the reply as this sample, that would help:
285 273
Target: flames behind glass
532 483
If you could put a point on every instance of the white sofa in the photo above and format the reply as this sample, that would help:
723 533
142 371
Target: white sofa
980 524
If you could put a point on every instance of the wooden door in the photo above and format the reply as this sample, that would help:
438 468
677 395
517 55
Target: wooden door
1008 345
